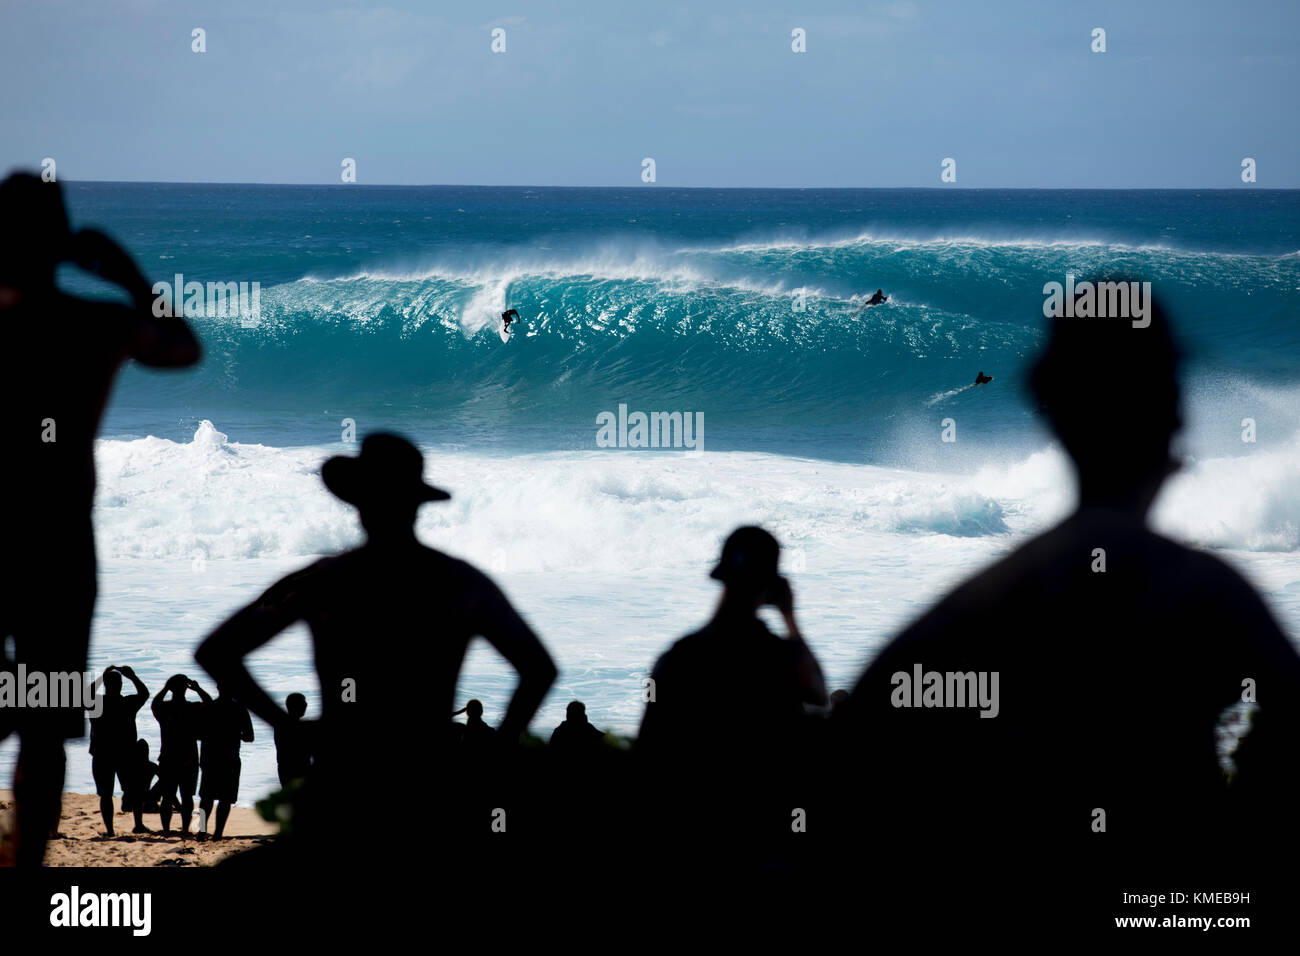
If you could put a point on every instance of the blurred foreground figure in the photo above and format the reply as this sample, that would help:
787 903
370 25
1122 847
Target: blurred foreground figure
1056 714
65 353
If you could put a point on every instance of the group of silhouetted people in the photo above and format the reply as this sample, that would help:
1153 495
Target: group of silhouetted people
1114 651
199 753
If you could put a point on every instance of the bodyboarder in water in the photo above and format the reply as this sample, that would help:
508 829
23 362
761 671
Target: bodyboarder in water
981 378
877 297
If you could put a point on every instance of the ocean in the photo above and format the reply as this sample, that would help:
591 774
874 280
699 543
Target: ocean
738 308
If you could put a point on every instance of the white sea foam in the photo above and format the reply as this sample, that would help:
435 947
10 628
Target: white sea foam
623 511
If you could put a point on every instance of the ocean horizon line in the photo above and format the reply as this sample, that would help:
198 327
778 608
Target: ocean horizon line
1245 187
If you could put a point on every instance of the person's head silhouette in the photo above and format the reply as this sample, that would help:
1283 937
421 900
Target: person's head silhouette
748 566
385 482
34 232
1110 391
576 712
474 710
112 682
296 705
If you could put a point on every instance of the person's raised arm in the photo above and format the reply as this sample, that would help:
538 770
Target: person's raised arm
160 341
204 696
503 628
141 692
97 685
222 653
812 684
158 700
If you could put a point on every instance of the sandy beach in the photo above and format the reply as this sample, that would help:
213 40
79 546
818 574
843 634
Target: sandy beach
81 842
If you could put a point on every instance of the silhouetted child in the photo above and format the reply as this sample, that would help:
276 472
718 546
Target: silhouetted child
180 723
68 351
146 771
292 746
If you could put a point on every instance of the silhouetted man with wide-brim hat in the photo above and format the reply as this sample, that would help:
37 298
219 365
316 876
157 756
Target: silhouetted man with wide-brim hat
391 621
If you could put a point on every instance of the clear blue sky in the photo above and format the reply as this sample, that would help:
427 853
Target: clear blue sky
711 91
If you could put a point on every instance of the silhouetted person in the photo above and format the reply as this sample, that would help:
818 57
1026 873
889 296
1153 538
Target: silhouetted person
225 724
576 735
1115 650
734 668
66 353
180 724
838 697
981 378
727 706
146 771
292 743
390 622
477 733
113 746
507 317
877 297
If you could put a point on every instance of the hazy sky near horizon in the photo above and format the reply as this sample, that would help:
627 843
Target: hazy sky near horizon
711 91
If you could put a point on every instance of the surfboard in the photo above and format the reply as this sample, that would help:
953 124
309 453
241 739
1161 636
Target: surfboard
504 331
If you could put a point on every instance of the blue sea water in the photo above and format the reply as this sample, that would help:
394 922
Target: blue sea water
822 418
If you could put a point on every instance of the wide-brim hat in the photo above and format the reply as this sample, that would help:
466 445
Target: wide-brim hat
389 470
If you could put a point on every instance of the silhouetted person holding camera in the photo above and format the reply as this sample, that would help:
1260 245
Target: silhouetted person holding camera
734 669
727 704
292 742
113 745
1115 652
382 614
67 352
576 736
180 724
